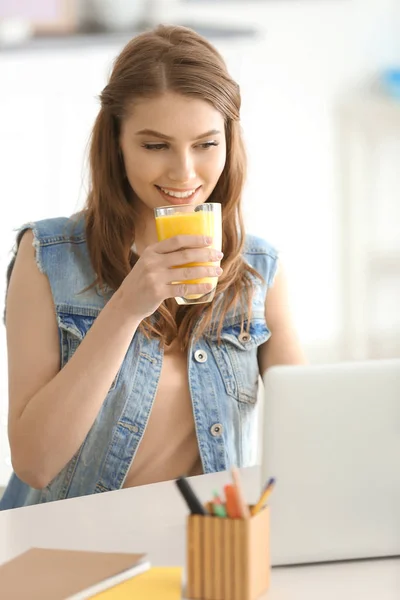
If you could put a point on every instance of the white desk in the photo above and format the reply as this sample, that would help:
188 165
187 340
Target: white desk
152 519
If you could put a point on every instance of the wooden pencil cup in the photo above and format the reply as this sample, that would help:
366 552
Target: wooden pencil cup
227 559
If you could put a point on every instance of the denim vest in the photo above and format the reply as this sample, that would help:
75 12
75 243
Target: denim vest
223 378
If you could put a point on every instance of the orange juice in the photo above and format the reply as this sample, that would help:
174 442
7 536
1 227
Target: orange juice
191 223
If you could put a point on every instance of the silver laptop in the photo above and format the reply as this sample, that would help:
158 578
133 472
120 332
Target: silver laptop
331 437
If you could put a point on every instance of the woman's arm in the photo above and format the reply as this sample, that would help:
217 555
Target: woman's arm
283 347
52 410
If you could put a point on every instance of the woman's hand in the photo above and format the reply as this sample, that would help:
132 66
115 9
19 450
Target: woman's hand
151 280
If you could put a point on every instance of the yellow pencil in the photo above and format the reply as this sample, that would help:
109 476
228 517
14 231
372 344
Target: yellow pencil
264 497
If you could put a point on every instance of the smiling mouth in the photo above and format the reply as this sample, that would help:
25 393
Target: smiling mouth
178 196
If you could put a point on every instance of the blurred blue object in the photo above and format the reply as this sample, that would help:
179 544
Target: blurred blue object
391 81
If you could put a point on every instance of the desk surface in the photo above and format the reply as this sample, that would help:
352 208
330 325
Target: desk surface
152 519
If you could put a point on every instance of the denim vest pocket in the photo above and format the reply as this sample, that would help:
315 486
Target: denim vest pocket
236 358
73 326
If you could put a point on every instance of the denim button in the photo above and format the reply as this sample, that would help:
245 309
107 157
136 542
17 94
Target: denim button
200 356
216 429
244 337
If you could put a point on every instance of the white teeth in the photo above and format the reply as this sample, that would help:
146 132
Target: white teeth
185 194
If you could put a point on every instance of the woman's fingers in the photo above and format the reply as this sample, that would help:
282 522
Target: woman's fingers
179 242
191 255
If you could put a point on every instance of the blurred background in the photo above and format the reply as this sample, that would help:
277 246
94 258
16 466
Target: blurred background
320 82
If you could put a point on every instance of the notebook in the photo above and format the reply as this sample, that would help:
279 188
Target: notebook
52 574
158 583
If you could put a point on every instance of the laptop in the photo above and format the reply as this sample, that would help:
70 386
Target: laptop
331 437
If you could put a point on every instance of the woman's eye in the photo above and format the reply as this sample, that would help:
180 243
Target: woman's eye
154 146
163 146
207 145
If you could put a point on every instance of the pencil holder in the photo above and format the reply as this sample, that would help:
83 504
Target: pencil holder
227 559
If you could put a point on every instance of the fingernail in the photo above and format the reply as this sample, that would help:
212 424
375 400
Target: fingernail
218 271
208 240
220 254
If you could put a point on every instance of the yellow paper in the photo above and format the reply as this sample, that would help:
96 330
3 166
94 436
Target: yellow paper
158 583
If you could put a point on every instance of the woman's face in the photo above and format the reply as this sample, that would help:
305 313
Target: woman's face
174 150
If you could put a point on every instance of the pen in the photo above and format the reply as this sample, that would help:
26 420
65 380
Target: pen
194 504
244 509
218 507
231 501
264 496
219 510
217 499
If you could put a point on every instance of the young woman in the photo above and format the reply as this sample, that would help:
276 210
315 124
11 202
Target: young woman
111 383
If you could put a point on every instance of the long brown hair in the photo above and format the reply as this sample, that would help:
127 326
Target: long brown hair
168 58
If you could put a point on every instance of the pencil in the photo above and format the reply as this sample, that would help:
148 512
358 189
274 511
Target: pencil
264 497
244 509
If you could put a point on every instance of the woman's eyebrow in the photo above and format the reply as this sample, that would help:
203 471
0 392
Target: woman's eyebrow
168 137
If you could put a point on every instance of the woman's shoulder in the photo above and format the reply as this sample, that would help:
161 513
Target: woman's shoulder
262 256
257 245
57 229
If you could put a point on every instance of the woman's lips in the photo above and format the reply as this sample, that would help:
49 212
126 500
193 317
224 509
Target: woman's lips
177 201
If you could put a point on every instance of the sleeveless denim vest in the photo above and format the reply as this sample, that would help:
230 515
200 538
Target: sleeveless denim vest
223 378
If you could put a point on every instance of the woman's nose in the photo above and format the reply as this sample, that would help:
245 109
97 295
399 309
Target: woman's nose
182 168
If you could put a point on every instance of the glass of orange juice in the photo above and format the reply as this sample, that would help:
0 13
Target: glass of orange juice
191 219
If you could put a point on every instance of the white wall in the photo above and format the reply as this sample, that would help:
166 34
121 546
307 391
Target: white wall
311 59
312 53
